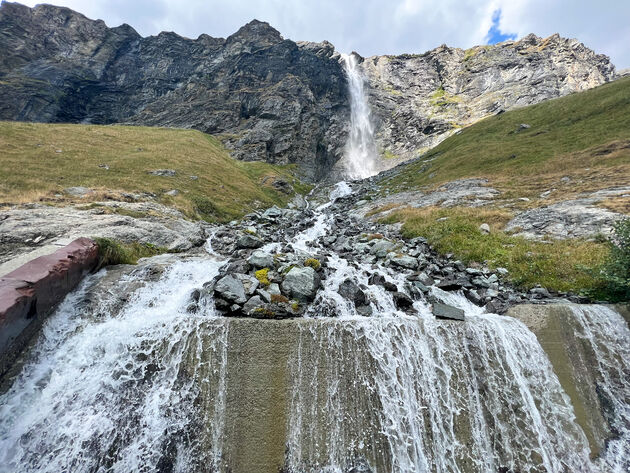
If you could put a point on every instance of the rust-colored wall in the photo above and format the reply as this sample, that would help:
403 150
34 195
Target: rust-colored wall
28 294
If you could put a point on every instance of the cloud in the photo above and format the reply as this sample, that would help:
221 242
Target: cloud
380 26
495 35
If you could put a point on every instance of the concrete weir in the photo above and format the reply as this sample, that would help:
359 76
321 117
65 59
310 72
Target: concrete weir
580 341
124 377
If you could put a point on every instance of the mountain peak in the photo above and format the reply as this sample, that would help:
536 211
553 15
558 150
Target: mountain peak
257 32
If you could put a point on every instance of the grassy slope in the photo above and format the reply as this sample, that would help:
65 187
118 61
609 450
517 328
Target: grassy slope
585 137
31 169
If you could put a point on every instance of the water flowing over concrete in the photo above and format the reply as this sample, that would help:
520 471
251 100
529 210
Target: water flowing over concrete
125 377
360 154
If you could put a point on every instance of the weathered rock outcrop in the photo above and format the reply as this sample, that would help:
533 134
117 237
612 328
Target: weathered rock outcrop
28 294
275 100
419 100
270 98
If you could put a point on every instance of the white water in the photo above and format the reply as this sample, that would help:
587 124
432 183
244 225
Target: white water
145 389
451 397
608 337
107 393
360 158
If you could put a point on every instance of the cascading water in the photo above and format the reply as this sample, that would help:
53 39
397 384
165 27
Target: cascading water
360 158
158 385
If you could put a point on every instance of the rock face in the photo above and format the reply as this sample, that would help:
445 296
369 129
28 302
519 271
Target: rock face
419 100
269 98
276 100
28 294
27 229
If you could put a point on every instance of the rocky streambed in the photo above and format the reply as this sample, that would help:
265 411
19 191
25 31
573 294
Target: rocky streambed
288 262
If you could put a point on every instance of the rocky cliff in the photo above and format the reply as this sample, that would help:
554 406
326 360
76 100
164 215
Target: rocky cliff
419 100
273 99
269 98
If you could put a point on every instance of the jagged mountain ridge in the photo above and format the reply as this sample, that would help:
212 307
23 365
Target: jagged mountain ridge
419 100
269 98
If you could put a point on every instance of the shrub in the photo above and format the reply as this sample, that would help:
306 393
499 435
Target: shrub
616 272
263 276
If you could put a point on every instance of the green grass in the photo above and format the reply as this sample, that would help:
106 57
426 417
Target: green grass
31 169
111 251
585 136
561 265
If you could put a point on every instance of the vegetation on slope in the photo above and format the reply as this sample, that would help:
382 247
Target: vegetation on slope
560 265
574 144
111 251
38 161
584 136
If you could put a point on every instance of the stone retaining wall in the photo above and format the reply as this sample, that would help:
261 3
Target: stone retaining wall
28 294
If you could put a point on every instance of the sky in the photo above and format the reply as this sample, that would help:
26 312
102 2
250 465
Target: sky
374 27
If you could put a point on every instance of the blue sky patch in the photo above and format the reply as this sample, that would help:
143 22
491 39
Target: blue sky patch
495 35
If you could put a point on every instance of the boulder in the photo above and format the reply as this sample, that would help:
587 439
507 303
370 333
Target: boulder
163 172
255 302
230 289
301 283
248 241
261 259
404 261
352 292
402 300
378 280
445 311
381 247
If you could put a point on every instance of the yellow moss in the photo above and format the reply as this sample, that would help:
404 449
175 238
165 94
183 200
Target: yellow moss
263 276
313 263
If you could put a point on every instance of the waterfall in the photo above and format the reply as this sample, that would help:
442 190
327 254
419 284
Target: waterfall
360 157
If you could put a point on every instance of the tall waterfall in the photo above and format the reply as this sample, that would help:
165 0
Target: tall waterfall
360 158
144 384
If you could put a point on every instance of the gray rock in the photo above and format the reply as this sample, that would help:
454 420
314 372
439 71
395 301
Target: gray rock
445 311
250 283
261 259
163 172
402 301
172 193
301 283
248 241
78 191
349 290
167 228
231 289
252 304
404 261
484 228
264 295
272 213
381 247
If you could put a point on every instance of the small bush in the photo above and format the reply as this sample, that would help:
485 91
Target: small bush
263 276
206 208
112 251
616 271
313 263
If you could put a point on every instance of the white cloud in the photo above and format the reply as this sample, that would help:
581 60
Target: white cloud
379 26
